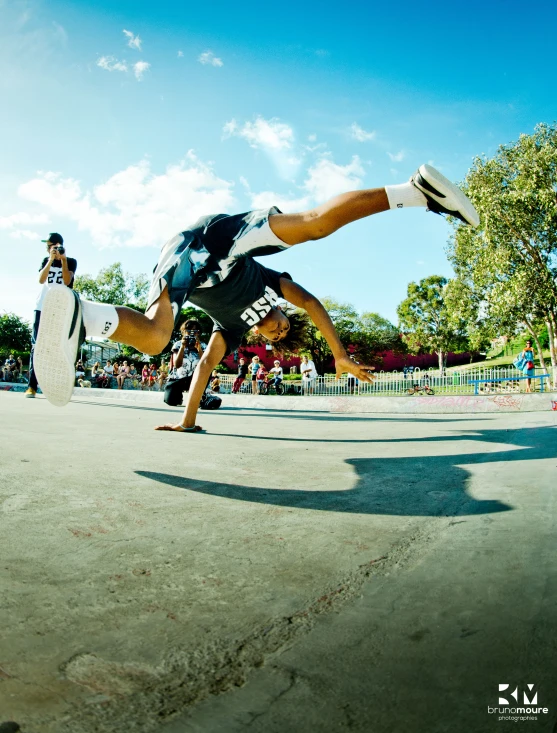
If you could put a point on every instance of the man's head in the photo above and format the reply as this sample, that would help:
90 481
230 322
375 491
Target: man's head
277 363
191 326
285 329
305 359
54 240
242 360
11 356
274 326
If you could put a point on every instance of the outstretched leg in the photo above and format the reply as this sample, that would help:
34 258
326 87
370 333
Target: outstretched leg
427 188
330 216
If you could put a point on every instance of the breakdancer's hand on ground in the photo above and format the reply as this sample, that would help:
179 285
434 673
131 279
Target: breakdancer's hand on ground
361 371
179 428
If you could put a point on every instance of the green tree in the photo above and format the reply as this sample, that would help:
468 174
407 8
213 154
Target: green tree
365 335
428 325
15 333
113 285
509 264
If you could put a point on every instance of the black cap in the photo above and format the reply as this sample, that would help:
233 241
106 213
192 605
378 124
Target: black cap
54 238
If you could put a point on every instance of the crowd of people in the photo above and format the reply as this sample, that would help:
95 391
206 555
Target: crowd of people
12 369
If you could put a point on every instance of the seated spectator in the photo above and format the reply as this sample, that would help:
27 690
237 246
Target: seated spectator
153 374
242 374
261 375
145 377
163 374
215 381
10 368
134 376
277 373
79 370
96 373
123 373
108 373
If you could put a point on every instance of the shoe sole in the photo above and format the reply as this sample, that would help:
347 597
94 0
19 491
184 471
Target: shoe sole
447 190
57 344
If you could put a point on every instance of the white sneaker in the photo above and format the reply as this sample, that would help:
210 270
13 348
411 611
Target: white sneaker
61 333
443 197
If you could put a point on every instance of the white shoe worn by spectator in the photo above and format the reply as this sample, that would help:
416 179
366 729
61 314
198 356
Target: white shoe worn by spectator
443 197
61 333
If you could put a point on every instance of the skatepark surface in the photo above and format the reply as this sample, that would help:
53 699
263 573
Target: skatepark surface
285 571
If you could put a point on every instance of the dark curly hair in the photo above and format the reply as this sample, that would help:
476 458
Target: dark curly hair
295 339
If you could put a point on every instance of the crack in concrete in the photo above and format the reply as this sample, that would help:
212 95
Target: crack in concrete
293 677
189 675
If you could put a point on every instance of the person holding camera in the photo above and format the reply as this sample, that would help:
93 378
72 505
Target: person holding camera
56 269
185 356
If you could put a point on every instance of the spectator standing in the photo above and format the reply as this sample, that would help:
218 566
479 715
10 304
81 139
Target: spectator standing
253 368
528 369
153 375
123 373
56 269
261 376
242 374
309 375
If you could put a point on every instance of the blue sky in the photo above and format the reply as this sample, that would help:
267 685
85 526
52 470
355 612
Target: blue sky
123 122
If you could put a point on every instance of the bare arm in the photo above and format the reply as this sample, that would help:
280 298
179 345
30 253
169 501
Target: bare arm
46 269
215 351
301 298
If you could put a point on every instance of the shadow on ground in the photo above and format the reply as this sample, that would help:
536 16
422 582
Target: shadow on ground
407 486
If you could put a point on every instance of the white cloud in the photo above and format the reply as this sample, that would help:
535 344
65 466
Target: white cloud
274 137
140 68
359 134
22 217
133 41
25 234
208 57
396 157
327 179
312 138
109 63
267 134
180 54
135 207
265 199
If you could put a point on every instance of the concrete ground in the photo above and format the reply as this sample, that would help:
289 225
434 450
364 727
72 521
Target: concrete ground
284 572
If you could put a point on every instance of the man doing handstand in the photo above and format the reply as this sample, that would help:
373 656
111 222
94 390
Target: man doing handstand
212 265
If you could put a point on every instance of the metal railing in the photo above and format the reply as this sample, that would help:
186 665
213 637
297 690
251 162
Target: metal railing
431 381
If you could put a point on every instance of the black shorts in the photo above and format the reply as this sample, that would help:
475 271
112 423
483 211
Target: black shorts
204 255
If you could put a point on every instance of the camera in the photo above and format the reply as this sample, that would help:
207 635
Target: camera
191 340
60 249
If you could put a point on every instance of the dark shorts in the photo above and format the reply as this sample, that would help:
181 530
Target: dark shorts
204 255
